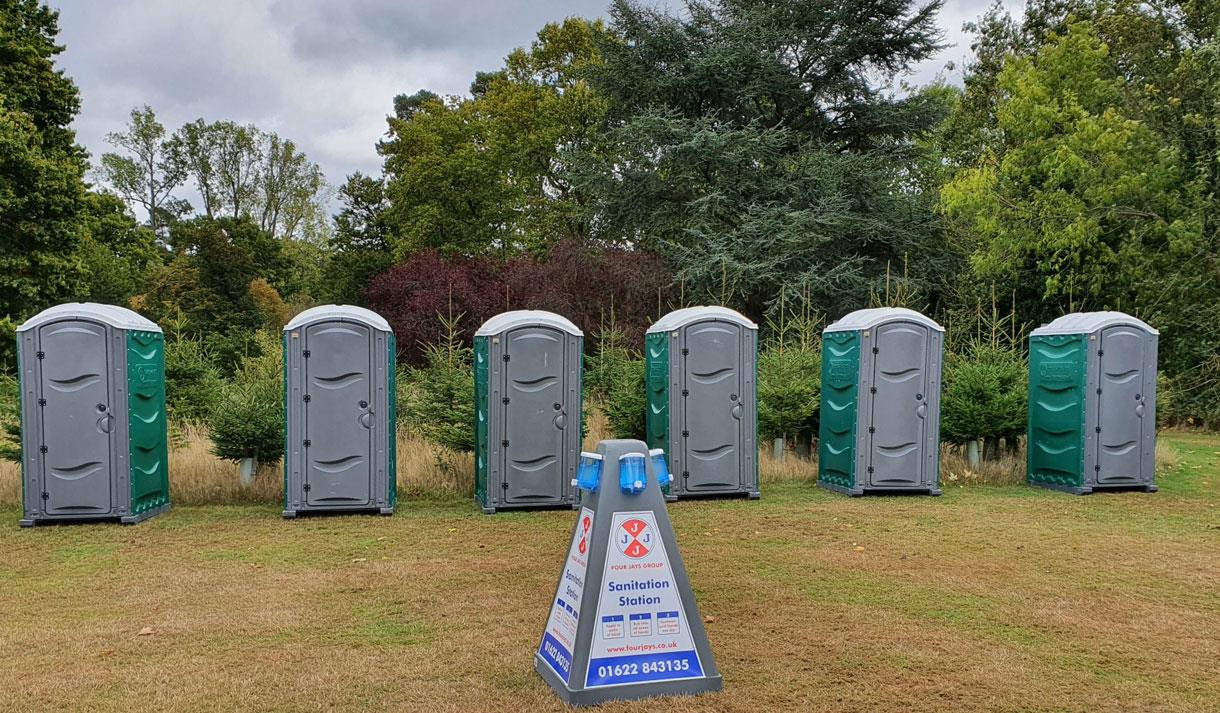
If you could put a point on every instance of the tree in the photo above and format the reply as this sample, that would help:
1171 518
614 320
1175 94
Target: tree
984 396
248 418
117 253
41 167
148 172
242 171
360 244
1077 201
750 145
486 174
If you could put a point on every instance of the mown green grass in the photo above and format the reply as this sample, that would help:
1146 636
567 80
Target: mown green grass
987 598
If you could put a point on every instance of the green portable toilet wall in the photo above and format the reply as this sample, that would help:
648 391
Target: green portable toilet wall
93 423
527 371
1092 403
879 429
339 394
702 405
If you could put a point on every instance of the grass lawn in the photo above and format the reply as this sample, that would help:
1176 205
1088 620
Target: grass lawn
988 598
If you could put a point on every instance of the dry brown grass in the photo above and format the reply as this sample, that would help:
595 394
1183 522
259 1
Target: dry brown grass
428 471
987 599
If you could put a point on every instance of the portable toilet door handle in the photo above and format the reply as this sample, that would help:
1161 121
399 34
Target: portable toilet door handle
922 410
366 419
736 411
561 421
1139 409
105 422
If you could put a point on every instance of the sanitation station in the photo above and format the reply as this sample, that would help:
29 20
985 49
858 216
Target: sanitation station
623 623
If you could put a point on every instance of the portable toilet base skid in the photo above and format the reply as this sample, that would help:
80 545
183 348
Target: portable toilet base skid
1092 404
94 436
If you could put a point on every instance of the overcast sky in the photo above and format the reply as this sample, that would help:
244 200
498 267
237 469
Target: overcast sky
320 72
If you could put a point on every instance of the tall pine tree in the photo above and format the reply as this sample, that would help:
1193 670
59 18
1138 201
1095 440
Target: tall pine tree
42 189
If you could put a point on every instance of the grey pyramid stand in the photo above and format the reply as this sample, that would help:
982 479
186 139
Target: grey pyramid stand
594 651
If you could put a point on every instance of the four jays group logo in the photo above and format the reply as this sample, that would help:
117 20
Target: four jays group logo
635 540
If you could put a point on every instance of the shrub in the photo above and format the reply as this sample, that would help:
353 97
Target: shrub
626 401
789 390
248 418
192 382
577 281
10 418
984 396
437 398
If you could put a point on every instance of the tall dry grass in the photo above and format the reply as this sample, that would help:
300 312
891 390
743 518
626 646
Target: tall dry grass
426 470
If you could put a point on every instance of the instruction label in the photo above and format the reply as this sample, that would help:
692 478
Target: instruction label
642 633
559 638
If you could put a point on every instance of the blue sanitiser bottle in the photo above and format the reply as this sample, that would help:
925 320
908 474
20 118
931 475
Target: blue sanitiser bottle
659 466
589 472
631 473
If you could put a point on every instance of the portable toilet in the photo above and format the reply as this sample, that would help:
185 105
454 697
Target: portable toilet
528 419
339 400
879 429
700 369
1092 403
93 430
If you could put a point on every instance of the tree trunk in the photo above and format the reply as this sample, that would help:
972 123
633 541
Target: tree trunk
777 449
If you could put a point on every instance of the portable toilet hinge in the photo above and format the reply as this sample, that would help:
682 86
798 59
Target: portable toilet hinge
686 392
870 469
306 398
305 353
685 474
872 389
506 357
685 351
504 443
42 402
504 400
1097 429
307 443
306 487
1101 352
872 429
40 355
1097 468
504 485
42 449
686 434
876 350
45 495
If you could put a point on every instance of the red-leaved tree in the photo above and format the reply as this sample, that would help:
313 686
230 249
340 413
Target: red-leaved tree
586 284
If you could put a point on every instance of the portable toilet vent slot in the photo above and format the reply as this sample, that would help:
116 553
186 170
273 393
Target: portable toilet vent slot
879 429
339 426
527 371
1092 403
93 428
702 400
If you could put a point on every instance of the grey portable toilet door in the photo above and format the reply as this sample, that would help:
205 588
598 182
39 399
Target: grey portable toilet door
77 417
535 414
338 420
712 423
1121 404
899 405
